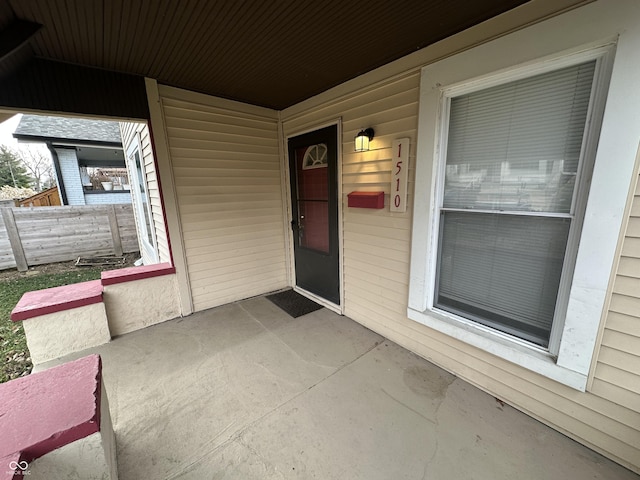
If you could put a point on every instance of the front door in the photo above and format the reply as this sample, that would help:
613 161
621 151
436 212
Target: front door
313 165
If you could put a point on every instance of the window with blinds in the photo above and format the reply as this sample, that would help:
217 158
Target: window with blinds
509 200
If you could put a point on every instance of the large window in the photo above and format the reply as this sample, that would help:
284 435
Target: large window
140 197
101 179
508 206
502 237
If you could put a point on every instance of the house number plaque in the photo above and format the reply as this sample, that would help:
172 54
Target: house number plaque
399 175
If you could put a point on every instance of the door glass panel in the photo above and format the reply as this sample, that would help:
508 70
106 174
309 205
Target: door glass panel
313 197
315 156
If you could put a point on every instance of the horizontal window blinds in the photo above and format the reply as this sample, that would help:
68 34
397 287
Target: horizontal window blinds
517 146
512 149
502 270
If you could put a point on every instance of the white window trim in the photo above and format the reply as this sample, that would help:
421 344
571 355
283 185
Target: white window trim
603 56
151 249
586 299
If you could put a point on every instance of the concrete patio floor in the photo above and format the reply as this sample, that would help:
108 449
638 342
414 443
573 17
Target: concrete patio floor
244 391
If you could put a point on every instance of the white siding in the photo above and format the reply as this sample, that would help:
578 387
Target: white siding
128 131
70 176
107 198
376 277
226 169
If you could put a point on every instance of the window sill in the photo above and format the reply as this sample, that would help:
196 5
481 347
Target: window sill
500 345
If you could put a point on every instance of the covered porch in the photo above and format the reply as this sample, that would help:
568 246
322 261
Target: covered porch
246 391
235 389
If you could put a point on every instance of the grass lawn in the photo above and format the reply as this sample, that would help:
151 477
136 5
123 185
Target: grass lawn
14 355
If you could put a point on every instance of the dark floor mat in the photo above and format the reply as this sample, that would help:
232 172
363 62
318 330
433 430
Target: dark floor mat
293 303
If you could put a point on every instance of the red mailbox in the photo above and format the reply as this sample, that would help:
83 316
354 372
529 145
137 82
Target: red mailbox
366 199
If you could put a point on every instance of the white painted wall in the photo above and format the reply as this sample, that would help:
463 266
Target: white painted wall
107 198
70 176
54 335
134 305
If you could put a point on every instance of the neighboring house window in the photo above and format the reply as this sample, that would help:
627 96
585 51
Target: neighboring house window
141 200
104 178
514 155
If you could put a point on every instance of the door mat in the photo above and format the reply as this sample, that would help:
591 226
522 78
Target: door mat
293 303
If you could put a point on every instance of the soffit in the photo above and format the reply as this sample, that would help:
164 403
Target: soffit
268 53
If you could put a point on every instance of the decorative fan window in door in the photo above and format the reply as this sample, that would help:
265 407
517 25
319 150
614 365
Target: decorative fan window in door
312 184
315 157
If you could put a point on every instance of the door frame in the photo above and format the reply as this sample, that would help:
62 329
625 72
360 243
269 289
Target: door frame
286 192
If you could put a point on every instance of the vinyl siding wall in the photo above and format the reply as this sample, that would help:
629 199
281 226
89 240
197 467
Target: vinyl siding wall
128 132
617 372
226 166
70 173
376 277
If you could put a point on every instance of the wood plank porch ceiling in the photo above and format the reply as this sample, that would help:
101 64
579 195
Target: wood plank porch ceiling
269 53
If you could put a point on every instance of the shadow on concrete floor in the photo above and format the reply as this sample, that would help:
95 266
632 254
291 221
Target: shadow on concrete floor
244 391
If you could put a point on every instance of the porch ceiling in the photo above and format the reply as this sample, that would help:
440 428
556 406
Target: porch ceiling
273 54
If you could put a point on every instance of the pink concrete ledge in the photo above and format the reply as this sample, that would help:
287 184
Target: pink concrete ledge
44 411
57 299
112 277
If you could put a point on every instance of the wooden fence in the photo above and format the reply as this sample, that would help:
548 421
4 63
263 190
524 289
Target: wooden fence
46 198
38 235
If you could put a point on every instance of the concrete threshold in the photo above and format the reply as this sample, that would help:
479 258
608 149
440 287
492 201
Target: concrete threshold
244 391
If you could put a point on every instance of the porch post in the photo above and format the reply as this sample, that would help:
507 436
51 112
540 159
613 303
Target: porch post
168 194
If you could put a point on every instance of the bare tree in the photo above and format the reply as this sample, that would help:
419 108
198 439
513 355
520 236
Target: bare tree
39 165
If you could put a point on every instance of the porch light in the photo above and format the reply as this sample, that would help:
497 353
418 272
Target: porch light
362 140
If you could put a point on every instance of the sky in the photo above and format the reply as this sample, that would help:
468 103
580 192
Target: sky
6 138
6 129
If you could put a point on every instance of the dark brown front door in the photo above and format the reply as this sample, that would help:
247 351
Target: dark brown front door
313 160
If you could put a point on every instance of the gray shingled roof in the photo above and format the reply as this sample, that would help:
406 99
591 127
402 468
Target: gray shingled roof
68 128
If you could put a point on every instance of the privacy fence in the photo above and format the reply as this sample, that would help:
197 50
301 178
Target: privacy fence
39 235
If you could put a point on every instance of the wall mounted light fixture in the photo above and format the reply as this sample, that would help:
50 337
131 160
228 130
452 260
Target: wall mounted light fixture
362 140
